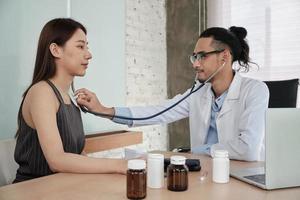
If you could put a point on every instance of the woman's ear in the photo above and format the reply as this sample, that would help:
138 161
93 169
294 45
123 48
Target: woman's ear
55 50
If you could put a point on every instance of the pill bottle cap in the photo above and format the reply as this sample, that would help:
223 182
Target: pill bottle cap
178 160
136 164
220 154
155 156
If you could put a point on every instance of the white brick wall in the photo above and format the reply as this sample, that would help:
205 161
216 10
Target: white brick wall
146 80
146 62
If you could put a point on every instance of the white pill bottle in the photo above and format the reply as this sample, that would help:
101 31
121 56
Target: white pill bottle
155 178
220 171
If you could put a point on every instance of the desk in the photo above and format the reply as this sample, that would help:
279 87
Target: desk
112 186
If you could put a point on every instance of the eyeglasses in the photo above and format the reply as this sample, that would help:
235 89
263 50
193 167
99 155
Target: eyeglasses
201 55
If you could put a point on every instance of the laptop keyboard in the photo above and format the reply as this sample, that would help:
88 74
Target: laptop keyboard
259 178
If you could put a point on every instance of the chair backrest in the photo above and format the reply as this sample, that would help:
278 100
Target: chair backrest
8 166
283 94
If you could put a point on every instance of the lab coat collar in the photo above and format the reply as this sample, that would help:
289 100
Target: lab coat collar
232 96
234 88
233 91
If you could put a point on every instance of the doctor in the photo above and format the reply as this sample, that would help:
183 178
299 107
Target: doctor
227 113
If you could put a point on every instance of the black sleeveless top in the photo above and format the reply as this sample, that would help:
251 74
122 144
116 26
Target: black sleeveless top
28 152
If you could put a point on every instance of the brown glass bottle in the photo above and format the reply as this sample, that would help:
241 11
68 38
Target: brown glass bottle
136 179
177 174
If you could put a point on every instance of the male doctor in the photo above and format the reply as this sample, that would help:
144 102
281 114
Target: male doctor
226 113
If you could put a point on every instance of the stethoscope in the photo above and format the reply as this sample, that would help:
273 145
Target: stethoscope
193 90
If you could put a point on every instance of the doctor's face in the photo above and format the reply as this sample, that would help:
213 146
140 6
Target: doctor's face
208 59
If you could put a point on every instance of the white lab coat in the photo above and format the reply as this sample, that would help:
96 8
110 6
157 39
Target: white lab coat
240 122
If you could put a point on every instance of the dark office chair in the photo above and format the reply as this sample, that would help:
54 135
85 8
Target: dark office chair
283 93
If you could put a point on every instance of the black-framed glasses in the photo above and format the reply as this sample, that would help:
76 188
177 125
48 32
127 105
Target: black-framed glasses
202 54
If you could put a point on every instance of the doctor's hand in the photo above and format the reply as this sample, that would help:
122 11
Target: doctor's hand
90 101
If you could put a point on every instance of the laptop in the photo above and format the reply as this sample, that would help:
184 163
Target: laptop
282 159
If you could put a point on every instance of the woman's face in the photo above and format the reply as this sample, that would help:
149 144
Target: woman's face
75 55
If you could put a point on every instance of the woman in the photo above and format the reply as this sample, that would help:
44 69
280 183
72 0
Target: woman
226 113
50 136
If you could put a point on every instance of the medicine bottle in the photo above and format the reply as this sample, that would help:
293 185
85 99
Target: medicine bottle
220 172
177 174
155 170
136 179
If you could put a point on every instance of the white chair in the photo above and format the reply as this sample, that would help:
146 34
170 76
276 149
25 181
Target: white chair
8 166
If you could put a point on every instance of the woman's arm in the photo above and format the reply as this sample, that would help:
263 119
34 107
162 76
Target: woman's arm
43 108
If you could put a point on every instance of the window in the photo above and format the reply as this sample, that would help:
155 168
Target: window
273 33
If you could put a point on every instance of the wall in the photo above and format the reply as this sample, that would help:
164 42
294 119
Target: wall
146 62
146 71
20 28
106 36
182 35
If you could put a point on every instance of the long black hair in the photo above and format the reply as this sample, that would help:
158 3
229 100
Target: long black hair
235 39
57 31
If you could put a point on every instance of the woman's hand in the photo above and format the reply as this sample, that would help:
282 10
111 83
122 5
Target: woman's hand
89 100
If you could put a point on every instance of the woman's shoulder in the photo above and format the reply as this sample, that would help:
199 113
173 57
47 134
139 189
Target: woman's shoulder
41 91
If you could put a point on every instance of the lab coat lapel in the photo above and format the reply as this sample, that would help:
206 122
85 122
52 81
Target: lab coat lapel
232 96
206 100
